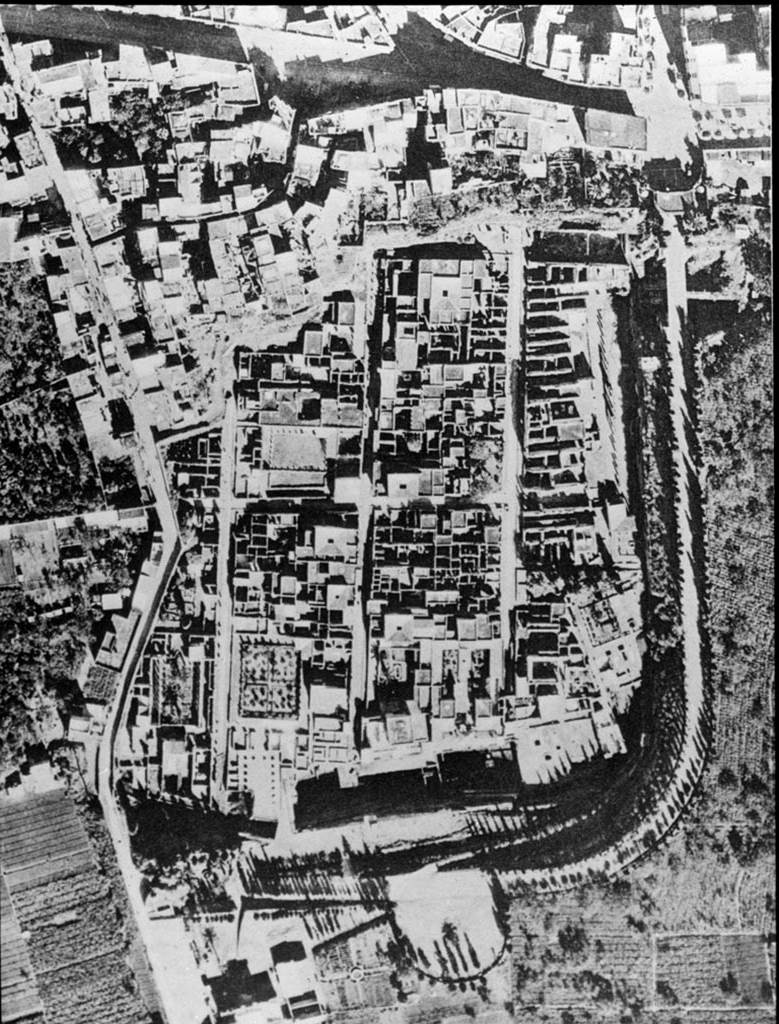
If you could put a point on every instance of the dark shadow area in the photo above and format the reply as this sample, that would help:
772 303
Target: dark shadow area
89 25
163 832
423 57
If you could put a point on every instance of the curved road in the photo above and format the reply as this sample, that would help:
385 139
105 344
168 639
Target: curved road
637 842
420 48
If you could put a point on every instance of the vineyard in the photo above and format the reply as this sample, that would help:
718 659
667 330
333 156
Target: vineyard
75 936
103 983
74 929
574 951
605 952
711 971
52 898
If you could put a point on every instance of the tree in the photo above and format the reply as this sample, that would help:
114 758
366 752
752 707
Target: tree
138 129
665 991
29 347
572 939
119 482
486 166
425 217
695 222
729 984
375 204
727 214
756 252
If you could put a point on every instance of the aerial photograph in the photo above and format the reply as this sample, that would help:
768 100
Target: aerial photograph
386 514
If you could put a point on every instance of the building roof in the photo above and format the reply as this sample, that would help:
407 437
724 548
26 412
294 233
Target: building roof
605 130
